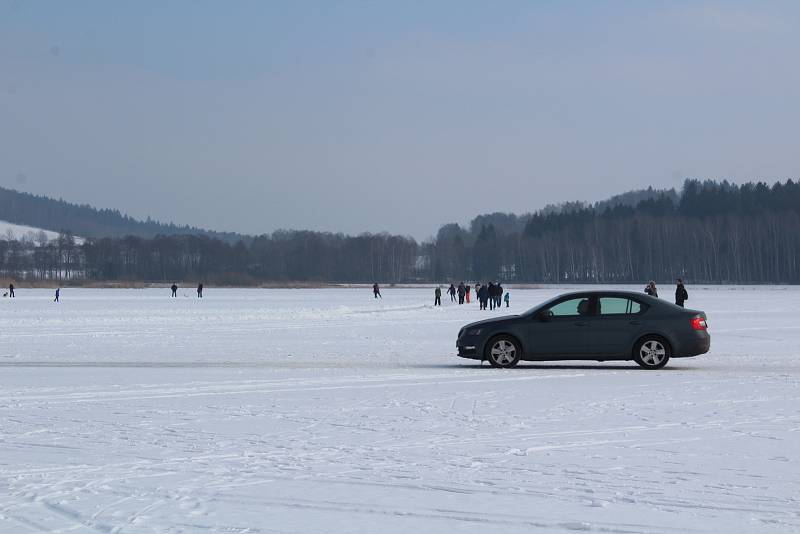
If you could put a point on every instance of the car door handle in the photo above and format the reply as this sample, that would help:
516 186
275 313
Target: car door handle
636 322
581 323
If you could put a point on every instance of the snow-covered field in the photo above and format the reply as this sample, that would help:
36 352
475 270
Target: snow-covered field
258 410
11 231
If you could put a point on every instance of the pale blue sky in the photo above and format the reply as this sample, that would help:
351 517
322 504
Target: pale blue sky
401 116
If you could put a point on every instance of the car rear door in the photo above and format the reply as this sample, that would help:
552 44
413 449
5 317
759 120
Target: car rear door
618 323
565 331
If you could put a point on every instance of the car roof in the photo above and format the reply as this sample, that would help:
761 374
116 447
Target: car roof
642 297
604 292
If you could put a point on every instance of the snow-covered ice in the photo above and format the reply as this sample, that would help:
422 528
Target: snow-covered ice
304 410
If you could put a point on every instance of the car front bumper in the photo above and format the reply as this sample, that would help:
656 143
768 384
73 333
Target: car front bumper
468 348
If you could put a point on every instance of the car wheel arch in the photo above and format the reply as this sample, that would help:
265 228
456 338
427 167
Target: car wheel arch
495 335
651 334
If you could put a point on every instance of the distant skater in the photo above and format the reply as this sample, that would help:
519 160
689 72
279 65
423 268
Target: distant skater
507 298
174 289
499 295
452 292
437 296
491 292
11 290
58 294
477 292
681 295
462 291
468 289
376 291
651 290
200 291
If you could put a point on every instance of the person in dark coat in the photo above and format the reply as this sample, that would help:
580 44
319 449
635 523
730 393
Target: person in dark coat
174 289
58 293
11 290
477 290
437 296
200 291
651 290
376 290
452 292
483 296
681 295
492 294
462 291
499 295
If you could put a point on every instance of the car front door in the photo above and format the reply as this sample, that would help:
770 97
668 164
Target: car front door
617 324
562 330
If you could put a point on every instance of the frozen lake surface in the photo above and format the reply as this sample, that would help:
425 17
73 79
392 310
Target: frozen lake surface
254 410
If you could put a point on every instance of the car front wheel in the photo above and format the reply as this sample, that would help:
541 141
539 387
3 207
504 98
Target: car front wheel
652 352
503 351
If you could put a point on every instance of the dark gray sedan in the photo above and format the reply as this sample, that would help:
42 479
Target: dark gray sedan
590 325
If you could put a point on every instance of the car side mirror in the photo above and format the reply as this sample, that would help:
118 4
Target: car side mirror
544 315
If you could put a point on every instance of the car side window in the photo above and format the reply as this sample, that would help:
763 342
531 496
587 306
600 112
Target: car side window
571 308
618 306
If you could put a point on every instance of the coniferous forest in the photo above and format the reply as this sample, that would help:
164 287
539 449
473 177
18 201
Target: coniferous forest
709 232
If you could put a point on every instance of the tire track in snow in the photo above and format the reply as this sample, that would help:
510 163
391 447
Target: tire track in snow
23 401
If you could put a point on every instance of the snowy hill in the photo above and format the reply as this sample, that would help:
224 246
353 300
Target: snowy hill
44 212
10 232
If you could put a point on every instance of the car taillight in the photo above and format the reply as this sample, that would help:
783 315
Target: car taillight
699 323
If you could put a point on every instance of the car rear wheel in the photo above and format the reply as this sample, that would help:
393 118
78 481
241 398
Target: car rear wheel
503 351
652 352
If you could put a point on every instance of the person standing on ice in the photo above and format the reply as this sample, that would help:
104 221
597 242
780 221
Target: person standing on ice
437 296
452 292
11 290
483 296
491 292
681 295
467 295
174 289
376 291
200 291
499 295
462 291
651 290
477 292
58 293
507 298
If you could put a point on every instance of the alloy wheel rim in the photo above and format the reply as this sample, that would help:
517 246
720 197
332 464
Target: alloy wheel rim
652 353
503 352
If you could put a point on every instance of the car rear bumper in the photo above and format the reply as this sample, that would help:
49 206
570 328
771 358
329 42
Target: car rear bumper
694 347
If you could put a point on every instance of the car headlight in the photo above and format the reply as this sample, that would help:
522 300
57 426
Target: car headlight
474 332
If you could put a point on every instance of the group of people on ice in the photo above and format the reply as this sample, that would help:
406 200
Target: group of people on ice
681 295
174 289
489 296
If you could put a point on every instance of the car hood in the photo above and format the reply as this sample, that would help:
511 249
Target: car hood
490 321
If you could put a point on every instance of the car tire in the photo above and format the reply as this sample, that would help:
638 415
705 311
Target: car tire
503 351
652 352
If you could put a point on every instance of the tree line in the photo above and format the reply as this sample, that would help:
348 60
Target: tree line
709 232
